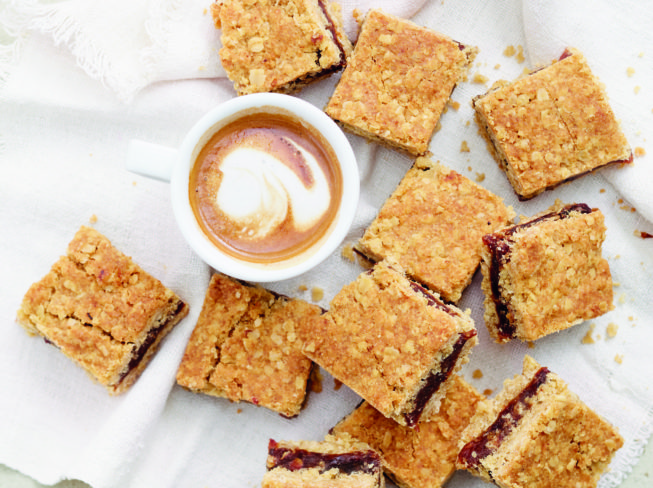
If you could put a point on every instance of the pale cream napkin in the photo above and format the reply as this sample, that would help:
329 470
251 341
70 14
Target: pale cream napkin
65 132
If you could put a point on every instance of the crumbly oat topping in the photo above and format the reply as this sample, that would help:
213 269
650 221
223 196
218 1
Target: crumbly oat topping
551 126
273 46
101 310
552 439
246 347
555 275
392 341
416 458
398 81
432 226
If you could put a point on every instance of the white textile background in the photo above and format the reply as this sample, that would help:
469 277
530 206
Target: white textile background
81 78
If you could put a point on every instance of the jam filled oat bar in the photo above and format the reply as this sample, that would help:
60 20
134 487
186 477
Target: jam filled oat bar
551 126
245 347
536 433
391 341
101 310
280 46
432 225
424 457
397 82
546 273
337 462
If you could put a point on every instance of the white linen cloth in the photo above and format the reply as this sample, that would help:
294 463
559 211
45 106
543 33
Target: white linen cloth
84 77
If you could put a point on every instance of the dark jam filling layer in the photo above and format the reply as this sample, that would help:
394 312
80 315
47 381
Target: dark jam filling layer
435 380
499 247
152 335
295 459
332 29
484 445
431 299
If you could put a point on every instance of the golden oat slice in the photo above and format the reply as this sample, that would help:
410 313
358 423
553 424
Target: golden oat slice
392 342
433 224
416 458
101 310
536 433
246 347
280 46
335 462
546 273
551 126
397 82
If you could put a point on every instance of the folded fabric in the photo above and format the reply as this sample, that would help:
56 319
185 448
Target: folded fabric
128 44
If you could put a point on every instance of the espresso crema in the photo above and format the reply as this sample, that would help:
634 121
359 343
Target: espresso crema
266 188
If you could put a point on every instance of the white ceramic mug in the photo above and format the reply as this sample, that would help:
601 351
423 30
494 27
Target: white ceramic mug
175 165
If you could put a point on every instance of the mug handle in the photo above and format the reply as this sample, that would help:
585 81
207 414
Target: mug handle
151 160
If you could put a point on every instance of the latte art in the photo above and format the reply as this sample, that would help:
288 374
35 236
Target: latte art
274 190
265 188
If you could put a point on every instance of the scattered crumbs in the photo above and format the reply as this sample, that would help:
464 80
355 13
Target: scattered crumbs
611 330
348 253
530 344
620 201
639 152
480 177
454 105
622 299
526 71
618 256
487 392
630 71
240 410
337 384
464 147
642 234
204 12
619 358
477 374
93 219
509 51
315 380
631 318
134 183
641 55
520 54
627 208
317 293
467 123
602 190
587 339
637 89
615 284
302 288
480 79
201 68
497 66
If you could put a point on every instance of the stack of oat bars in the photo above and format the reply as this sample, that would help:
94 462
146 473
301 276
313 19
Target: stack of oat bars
395 334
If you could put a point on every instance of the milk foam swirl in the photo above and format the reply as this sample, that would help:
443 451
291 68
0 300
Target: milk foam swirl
258 190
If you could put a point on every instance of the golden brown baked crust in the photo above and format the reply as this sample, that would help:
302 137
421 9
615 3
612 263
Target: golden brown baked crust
432 225
335 462
397 82
101 310
392 342
416 458
551 126
536 433
246 347
549 276
279 46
